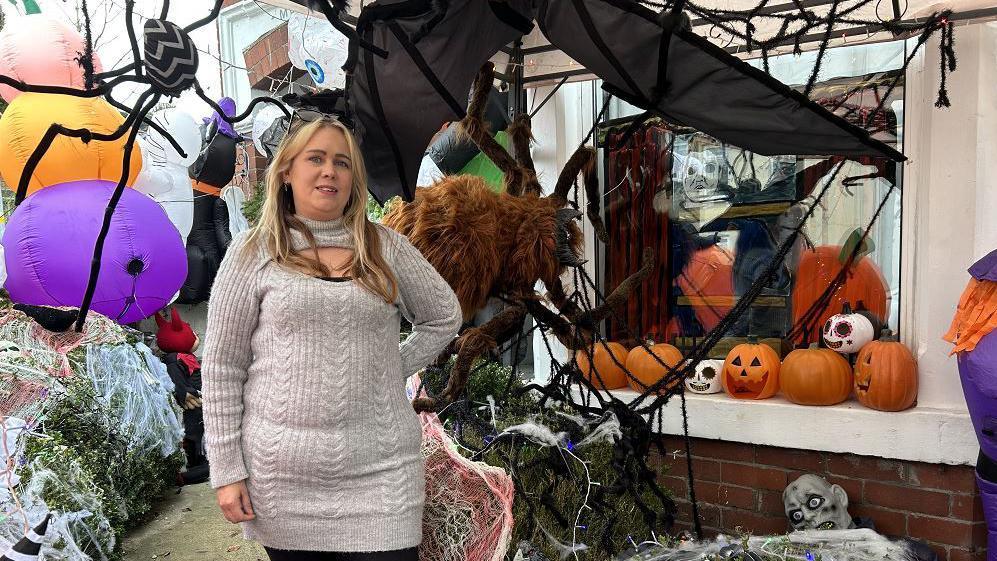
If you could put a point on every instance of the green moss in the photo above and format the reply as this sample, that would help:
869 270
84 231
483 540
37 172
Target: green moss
549 482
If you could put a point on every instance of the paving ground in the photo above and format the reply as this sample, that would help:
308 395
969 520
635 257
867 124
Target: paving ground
188 526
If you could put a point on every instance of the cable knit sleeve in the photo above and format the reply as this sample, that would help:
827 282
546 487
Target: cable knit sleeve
233 313
427 301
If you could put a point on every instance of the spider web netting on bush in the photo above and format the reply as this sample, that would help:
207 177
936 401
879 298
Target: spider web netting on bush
91 434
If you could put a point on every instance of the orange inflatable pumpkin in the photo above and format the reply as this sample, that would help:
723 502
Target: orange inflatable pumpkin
29 116
818 268
815 376
886 375
647 370
602 371
751 371
708 282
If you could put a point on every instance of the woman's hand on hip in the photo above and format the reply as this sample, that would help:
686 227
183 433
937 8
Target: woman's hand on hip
235 503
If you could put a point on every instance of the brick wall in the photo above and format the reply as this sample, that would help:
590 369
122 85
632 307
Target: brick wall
741 485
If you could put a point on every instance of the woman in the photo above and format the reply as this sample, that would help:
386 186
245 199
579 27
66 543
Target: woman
313 444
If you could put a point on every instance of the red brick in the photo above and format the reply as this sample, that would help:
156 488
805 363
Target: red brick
677 485
906 498
754 476
942 551
803 460
724 495
770 502
709 515
853 487
887 521
703 469
723 450
709 532
757 524
961 479
862 467
942 530
960 554
967 507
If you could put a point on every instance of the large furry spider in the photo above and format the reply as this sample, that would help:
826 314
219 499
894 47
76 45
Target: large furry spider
488 244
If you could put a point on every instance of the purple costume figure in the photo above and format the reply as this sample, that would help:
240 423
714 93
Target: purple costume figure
975 337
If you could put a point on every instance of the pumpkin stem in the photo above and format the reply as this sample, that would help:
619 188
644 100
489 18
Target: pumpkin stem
888 336
814 346
846 308
753 339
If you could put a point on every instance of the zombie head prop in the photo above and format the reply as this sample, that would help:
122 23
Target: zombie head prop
701 178
814 504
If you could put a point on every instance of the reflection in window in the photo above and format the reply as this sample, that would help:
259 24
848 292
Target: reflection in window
716 215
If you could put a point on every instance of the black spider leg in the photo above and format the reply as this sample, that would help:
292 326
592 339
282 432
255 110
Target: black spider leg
331 12
56 129
244 114
137 64
130 27
150 122
141 109
62 90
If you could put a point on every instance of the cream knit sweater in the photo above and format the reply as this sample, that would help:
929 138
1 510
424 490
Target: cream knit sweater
304 395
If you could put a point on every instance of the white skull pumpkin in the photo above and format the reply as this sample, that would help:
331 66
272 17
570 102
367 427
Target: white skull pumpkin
701 178
707 378
848 332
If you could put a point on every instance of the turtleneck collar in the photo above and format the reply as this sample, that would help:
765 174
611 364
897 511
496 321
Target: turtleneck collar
328 233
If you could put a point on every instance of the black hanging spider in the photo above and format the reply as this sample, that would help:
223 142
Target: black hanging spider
168 68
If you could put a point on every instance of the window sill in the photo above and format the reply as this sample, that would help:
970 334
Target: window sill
919 434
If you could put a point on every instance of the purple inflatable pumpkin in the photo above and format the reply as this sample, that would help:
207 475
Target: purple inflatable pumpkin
49 243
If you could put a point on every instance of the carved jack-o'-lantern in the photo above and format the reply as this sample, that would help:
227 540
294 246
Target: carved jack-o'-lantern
751 371
886 375
707 378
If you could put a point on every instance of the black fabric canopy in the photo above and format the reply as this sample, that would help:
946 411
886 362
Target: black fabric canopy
434 49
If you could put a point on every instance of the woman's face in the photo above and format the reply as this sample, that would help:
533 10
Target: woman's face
321 176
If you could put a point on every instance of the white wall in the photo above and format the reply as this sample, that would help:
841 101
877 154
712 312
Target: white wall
950 200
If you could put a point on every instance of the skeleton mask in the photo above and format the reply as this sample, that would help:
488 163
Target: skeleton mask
701 178
814 504
847 332
707 378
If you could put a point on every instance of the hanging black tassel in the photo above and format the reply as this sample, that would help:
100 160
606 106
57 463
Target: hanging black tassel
944 49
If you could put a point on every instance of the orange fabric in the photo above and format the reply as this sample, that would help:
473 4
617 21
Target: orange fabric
206 188
975 317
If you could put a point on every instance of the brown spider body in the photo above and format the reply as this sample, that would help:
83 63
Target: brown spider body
485 243
489 244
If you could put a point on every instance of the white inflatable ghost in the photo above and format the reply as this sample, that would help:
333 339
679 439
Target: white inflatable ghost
164 171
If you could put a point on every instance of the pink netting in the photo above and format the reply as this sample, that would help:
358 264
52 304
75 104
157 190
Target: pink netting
468 514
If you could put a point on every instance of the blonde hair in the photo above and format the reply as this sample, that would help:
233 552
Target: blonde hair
368 267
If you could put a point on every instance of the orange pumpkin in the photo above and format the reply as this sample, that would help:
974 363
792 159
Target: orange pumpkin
647 370
602 371
815 376
708 282
751 371
818 267
886 375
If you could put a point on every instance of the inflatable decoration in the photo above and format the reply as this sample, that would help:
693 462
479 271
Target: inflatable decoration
30 116
170 57
49 243
974 334
269 128
164 170
215 166
315 47
43 51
